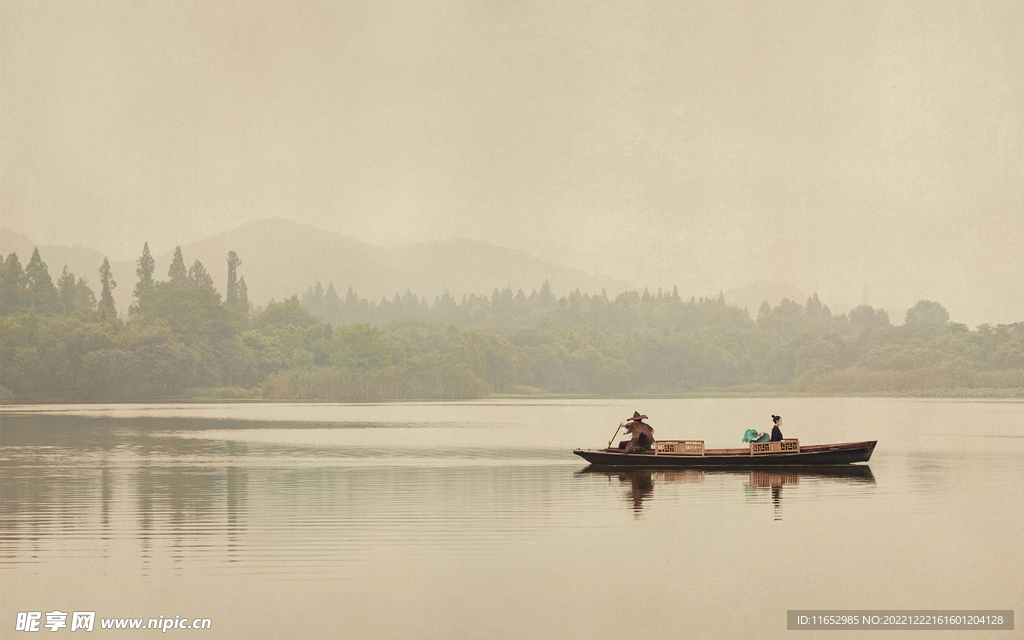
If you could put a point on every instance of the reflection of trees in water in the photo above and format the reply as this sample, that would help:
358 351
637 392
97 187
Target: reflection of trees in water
174 503
237 487
171 505
183 505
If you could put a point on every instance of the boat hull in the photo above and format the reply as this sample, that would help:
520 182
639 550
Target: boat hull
815 455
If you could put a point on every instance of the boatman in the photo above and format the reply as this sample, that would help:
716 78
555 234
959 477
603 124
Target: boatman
641 432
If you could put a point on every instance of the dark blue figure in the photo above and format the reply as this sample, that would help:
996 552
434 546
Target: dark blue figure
776 431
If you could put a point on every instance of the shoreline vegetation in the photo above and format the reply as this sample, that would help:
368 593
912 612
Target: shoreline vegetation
228 395
180 341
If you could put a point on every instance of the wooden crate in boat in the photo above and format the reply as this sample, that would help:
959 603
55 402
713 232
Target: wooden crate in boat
791 445
680 447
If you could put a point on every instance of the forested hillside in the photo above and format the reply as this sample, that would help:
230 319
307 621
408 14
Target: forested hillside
63 341
303 254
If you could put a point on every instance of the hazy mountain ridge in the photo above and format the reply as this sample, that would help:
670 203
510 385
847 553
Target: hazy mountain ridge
82 261
301 255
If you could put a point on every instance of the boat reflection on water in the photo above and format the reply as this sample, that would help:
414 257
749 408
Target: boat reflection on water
641 482
774 481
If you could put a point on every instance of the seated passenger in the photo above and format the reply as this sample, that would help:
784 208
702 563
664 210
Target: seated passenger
776 432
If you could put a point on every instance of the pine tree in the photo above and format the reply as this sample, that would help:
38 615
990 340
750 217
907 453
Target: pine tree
313 300
813 307
231 296
146 267
41 291
106 295
177 273
332 305
198 276
546 297
12 285
85 297
66 288
243 295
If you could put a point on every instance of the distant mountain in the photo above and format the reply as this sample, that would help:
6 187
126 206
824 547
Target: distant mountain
281 258
81 261
466 266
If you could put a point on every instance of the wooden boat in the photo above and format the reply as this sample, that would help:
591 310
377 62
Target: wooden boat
692 454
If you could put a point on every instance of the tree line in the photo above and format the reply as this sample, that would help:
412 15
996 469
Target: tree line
181 338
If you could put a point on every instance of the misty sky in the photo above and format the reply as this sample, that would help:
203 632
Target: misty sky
844 147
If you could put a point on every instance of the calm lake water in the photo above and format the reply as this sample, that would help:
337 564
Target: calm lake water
474 520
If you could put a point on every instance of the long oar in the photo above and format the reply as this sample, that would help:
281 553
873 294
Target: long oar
616 434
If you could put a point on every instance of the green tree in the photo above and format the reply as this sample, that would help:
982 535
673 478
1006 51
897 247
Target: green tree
42 293
156 364
788 318
106 294
146 265
866 317
243 296
178 274
66 289
63 344
332 305
813 307
313 300
362 348
190 310
85 297
546 298
198 276
15 339
205 328
927 312
284 314
231 296
13 293
268 353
